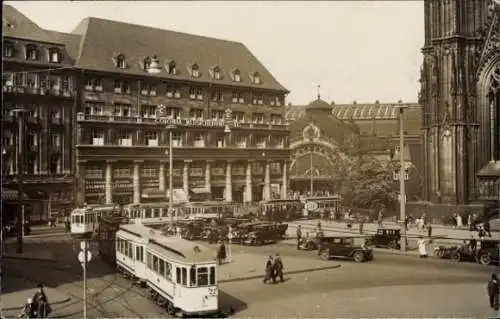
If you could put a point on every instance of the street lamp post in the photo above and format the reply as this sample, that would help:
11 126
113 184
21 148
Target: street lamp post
170 129
402 191
20 177
311 167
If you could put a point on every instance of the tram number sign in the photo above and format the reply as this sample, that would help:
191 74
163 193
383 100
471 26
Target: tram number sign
212 291
311 206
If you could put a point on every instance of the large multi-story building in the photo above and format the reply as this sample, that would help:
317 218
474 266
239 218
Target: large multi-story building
460 94
222 106
37 77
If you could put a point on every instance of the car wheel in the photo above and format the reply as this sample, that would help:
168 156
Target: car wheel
358 257
485 259
455 256
325 254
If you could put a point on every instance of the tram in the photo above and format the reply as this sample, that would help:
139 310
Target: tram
315 206
84 221
151 213
108 226
210 210
181 276
280 209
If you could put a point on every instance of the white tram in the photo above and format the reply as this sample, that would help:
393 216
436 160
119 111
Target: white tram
156 212
131 243
85 220
181 275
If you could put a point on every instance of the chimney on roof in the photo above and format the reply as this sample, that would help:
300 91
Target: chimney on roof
154 66
377 102
289 103
332 102
400 101
354 102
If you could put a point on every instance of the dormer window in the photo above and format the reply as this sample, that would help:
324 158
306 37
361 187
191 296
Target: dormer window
171 67
195 71
236 76
31 53
121 62
147 63
8 49
256 78
216 73
54 55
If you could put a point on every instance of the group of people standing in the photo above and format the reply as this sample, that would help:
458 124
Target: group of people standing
274 269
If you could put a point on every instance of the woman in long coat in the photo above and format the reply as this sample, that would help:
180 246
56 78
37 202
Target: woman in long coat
221 254
422 247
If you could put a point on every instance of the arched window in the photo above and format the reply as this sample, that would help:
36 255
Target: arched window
195 71
236 75
31 52
121 62
54 55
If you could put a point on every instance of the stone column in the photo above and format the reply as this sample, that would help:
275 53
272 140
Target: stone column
136 182
161 176
208 177
228 192
266 191
185 177
284 187
108 180
248 184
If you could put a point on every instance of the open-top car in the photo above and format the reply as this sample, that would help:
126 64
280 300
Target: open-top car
386 238
344 247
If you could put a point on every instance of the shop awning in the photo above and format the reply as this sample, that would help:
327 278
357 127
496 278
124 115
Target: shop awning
11 194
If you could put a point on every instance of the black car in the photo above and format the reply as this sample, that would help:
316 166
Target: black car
386 238
488 252
344 247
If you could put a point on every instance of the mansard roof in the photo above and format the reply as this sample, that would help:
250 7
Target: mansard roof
103 40
95 43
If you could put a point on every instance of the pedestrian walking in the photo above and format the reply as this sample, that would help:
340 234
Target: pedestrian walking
268 270
422 247
221 253
380 218
361 225
41 303
486 227
493 290
429 231
277 268
67 225
299 236
28 311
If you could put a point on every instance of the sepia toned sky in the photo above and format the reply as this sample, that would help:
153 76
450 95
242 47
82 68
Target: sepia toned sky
359 50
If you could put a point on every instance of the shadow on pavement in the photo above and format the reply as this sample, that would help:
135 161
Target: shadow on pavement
227 301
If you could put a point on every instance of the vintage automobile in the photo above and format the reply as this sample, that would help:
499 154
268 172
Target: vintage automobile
484 251
191 230
261 234
344 247
311 243
385 238
489 252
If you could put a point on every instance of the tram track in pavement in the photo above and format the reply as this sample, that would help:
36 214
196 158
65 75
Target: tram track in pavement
94 301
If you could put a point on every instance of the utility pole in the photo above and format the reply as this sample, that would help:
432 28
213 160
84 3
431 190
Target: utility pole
21 146
402 175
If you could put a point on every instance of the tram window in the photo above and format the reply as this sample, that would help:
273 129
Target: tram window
147 213
184 276
212 276
162 268
168 270
178 274
137 252
142 254
202 276
155 263
148 260
192 276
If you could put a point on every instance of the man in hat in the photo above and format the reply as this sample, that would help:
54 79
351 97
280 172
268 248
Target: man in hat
269 270
277 268
41 303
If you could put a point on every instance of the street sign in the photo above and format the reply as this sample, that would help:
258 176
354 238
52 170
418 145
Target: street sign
81 256
230 236
310 206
